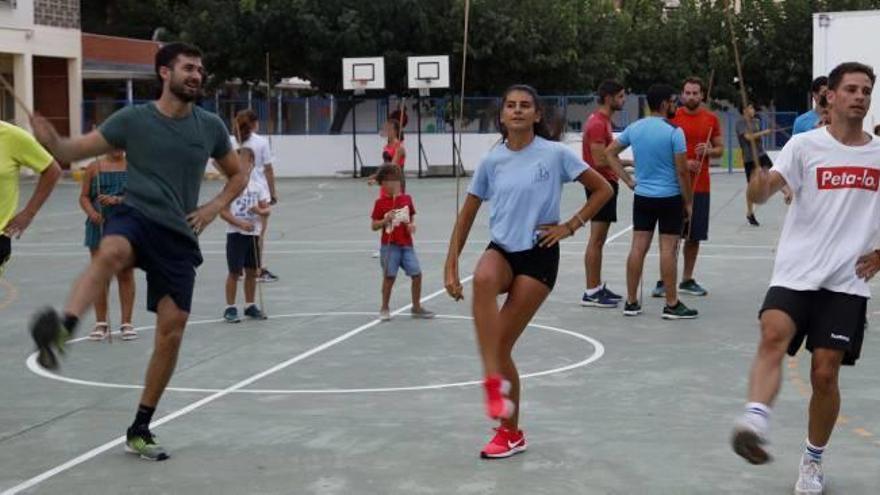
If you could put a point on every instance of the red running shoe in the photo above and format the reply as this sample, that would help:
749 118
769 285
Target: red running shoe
505 443
498 406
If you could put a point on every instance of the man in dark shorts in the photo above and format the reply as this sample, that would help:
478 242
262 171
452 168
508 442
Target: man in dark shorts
662 196
702 131
597 136
748 129
825 257
168 143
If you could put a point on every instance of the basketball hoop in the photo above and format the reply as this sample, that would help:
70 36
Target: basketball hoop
359 86
425 87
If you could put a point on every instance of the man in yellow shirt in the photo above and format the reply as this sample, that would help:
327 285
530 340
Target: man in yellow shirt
19 149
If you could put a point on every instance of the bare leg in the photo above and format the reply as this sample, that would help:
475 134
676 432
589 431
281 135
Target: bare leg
250 284
491 277
691 250
593 254
125 279
262 262
101 302
765 378
523 300
114 255
669 266
825 401
231 288
170 324
416 290
635 263
387 285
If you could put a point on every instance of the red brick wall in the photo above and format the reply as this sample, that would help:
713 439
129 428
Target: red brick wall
119 50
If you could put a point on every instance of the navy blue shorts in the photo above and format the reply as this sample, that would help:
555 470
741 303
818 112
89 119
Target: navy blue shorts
242 252
700 221
168 257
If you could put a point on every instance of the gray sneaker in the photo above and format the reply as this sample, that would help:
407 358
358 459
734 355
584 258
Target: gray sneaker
143 444
384 315
692 288
811 480
423 314
659 290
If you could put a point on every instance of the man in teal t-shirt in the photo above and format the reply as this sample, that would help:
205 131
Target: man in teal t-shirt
168 143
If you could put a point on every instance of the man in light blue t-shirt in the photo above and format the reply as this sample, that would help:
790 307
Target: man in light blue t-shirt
663 196
809 120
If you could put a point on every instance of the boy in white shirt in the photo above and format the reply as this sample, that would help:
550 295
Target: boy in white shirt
245 217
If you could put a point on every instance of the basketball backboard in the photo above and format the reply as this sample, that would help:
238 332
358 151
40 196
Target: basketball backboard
428 72
359 74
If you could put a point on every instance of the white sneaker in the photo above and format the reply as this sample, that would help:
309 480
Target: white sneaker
384 315
811 480
748 441
375 254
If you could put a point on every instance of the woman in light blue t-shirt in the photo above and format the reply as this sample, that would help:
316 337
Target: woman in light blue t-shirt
522 178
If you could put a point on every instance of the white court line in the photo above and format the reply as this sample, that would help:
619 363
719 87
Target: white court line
598 352
76 461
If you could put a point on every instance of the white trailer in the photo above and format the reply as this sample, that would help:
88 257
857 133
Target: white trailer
848 37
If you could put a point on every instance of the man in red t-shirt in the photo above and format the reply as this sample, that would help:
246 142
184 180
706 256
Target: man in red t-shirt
597 136
394 214
702 131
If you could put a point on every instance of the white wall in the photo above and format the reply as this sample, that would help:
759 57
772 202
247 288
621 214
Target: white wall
304 156
23 39
848 37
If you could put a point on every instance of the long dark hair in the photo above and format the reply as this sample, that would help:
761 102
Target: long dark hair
549 127
244 121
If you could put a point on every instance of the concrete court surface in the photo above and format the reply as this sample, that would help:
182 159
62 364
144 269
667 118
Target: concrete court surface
323 399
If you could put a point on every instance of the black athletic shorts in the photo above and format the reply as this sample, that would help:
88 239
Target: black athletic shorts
699 226
242 251
539 263
608 213
750 165
826 319
666 213
169 258
5 251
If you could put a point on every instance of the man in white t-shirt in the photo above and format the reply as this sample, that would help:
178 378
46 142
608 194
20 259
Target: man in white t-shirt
826 255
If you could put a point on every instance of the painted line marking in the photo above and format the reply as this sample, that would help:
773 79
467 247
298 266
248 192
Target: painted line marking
598 352
76 461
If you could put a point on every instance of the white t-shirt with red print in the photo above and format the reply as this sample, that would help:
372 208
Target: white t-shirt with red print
835 216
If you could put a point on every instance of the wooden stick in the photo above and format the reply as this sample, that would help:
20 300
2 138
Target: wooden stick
9 89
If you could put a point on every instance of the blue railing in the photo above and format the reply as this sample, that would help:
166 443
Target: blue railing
316 115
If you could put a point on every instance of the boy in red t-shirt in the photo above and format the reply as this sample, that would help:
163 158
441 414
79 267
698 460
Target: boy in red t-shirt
394 215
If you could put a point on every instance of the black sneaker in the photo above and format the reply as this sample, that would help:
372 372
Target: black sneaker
632 309
141 442
48 333
679 312
254 313
230 315
752 220
267 277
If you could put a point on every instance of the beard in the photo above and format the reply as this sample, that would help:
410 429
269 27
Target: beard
670 112
692 105
183 92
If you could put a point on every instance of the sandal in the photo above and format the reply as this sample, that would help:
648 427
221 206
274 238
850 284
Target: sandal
128 332
100 332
